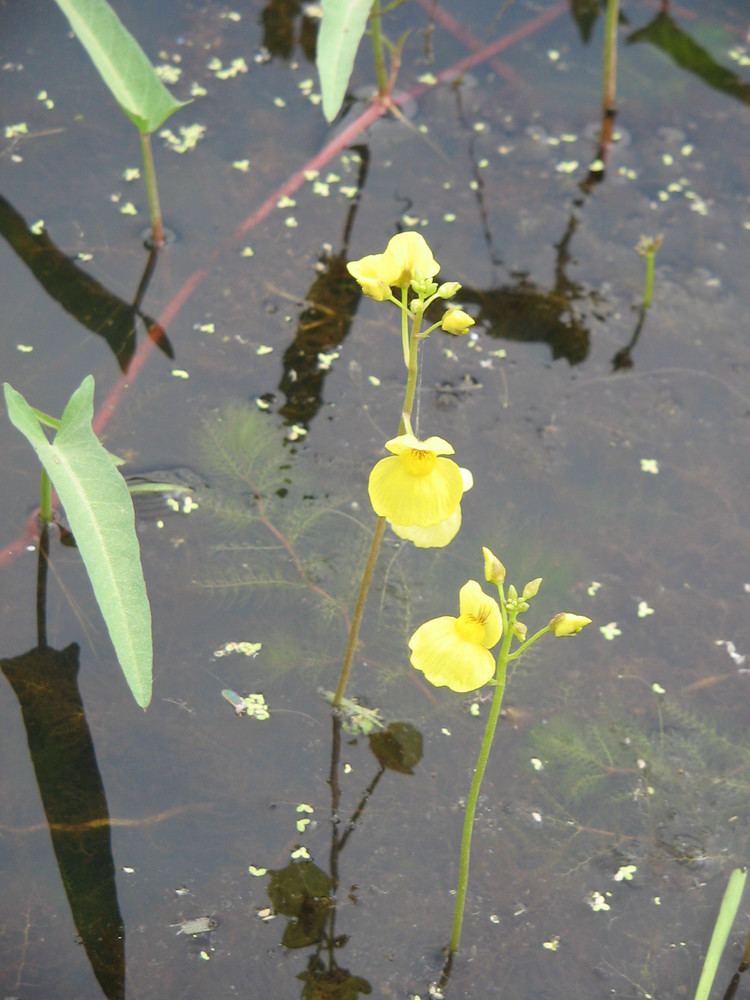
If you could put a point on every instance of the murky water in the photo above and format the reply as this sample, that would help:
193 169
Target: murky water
609 456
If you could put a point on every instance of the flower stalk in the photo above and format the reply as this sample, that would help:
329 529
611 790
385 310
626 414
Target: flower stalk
454 653
433 509
464 858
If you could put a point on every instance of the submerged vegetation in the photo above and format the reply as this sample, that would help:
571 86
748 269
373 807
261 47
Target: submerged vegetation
333 550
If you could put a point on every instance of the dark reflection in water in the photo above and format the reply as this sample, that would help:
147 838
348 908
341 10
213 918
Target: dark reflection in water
585 14
281 32
87 301
523 311
664 33
332 303
309 896
45 682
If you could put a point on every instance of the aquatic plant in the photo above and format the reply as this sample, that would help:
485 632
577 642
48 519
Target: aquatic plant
648 247
730 903
97 503
455 653
132 80
417 491
342 27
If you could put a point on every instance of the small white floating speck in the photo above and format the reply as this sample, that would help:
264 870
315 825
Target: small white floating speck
180 373
610 630
650 465
625 873
597 902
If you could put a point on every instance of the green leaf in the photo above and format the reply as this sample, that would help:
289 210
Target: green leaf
121 62
341 29
727 912
98 506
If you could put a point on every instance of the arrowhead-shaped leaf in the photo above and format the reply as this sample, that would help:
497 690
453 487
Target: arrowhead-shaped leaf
98 506
341 29
121 62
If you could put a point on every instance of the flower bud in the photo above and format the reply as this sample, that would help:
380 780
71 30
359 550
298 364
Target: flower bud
424 287
512 594
494 571
456 321
566 623
649 246
519 630
448 289
532 588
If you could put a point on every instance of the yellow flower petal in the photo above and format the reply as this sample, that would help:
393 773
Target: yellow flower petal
435 536
480 613
375 275
456 321
408 442
448 660
410 257
415 488
566 623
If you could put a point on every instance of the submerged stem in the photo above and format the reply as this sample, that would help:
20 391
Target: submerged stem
377 538
152 191
364 587
476 784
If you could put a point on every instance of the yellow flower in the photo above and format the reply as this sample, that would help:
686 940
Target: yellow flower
456 321
415 487
455 652
410 257
438 535
406 257
566 623
374 274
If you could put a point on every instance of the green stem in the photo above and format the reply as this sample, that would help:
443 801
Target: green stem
609 89
45 499
412 372
404 305
529 642
381 74
152 191
476 784
648 284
